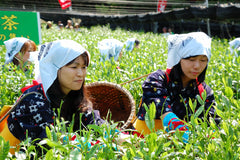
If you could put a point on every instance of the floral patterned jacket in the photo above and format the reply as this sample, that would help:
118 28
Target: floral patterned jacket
34 113
169 96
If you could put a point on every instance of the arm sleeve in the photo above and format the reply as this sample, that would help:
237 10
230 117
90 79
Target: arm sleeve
30 117
155 90
92 117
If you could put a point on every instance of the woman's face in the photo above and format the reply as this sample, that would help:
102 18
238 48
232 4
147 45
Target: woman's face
71 77
24 56
193 67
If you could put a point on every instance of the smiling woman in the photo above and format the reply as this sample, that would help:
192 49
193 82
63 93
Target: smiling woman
63 67
192 67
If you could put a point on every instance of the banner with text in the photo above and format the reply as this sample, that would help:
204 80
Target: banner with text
65 3
161 5
20 24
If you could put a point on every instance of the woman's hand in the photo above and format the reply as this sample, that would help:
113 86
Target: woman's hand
171 122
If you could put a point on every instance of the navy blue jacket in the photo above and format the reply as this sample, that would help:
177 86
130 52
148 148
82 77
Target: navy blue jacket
170 96
34 113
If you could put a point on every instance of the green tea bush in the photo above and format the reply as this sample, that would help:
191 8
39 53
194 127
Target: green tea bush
206 142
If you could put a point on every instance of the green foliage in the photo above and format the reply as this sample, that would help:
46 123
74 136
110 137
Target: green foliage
4 148
150 116
206 142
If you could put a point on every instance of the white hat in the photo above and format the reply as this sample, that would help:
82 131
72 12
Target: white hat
130 44
54 55
234 46
110 48
187 45
13 46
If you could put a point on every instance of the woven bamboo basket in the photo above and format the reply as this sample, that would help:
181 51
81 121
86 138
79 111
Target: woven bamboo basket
112 98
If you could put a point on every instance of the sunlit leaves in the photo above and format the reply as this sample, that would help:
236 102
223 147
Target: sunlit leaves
222 76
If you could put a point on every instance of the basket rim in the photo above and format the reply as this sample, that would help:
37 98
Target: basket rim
129 95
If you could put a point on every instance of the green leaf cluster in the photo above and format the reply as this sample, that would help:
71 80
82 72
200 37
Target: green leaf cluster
206 141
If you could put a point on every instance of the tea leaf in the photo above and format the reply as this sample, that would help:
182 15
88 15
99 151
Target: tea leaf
4 148
199 111
228 92
49 154
200 100
150 116
48 133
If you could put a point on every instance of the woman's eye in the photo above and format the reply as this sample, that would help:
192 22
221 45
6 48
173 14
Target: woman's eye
191 59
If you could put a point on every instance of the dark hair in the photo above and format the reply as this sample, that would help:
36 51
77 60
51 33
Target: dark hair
176 72
85 57
75 102
137 42
15 61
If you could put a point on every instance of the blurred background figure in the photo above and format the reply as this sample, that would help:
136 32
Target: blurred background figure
234 46
59 22
170 30
132 43
77 27
18 51
69 24
110 48
49 25
60 26
165 31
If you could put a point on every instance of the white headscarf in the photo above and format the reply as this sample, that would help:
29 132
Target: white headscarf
54 55
187 45
110 48
13 46
234 46
130 44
